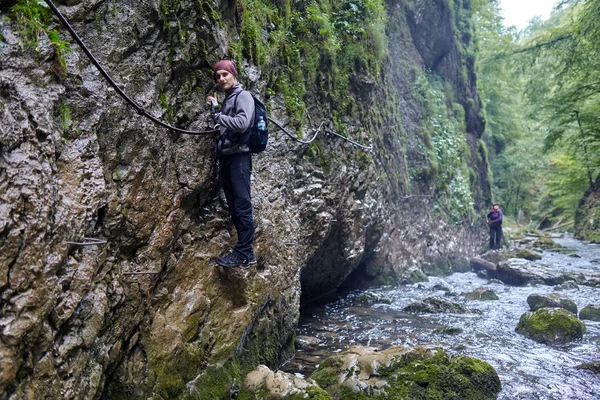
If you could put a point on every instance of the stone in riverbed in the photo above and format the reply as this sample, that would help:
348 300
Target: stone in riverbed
406 373
528 255
262 383
434 305
568 285
591 312
482 293
593 366
550 326
552 300
546 243
520 272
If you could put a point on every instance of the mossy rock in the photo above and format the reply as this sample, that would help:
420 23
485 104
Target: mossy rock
593 366
550 326
482 294
528 255
438 267
568 285
439 286
552 300
591 312
434 305
447 330
262 383
416 276
372 298
546 243
406 374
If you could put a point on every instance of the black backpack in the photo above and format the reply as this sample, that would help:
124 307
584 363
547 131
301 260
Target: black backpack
258 138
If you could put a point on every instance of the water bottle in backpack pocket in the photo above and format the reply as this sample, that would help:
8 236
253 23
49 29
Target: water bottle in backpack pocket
259 130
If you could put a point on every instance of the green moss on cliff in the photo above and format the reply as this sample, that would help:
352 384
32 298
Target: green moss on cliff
318 47
449 155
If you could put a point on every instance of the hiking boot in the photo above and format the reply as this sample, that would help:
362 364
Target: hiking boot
233 260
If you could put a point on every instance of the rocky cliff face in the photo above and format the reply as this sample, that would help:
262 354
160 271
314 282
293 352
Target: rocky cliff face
587 218
145 313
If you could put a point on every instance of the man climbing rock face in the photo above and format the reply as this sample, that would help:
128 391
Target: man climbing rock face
235 160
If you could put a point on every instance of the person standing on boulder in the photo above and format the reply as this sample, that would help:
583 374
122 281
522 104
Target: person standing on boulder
494 220
235 160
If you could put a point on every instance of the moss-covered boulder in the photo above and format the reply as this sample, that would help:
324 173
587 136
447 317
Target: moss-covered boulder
448 330
593 366
407 374
434 305
551 300
568 285
482 293
546 243
528 255
591 312
262 383
550 326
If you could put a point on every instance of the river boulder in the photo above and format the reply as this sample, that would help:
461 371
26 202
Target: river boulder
546 243
262 383
528 255
552 300
482 293
406 373
568 285
434 305
550 326
520 272
593 366
591 312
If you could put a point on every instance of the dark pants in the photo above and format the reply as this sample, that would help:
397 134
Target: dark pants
235 180
495 237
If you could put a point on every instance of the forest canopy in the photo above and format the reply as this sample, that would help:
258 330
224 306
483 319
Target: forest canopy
541 88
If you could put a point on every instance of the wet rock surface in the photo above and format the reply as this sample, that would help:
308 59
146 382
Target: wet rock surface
262 383
482 294
436 305
145 312
406 373
590 312
551 326
518 271
552 300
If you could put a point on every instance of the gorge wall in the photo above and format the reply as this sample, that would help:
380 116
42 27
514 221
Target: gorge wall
587 216
147 314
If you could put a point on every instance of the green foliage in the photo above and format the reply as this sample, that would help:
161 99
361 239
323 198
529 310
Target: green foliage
32 17
318 47
60 49
448 155
544 141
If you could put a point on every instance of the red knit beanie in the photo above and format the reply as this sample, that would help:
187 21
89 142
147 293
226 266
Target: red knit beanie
226 65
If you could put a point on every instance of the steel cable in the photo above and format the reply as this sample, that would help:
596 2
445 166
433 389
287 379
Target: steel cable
109 79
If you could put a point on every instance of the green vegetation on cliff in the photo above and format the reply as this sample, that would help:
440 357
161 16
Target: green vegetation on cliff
320 47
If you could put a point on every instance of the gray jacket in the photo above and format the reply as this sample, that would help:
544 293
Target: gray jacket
235 118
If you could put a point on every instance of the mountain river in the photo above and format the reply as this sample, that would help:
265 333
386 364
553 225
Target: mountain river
527 370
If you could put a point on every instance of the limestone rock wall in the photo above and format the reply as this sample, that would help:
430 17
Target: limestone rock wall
147 314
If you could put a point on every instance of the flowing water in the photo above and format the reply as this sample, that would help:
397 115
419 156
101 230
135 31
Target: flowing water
527 370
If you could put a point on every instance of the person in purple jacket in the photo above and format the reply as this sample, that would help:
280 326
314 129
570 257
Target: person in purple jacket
235 160
494 220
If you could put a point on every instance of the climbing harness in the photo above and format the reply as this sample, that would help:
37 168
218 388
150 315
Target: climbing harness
138 108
